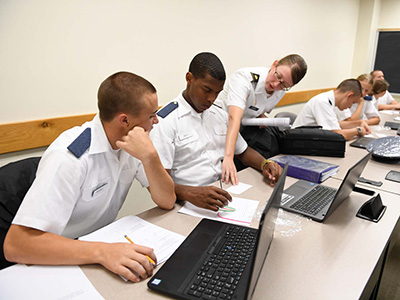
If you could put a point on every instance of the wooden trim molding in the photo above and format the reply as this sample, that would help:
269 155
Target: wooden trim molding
37 133
300 96
41 133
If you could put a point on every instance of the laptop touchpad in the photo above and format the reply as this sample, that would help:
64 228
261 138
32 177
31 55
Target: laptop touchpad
298 190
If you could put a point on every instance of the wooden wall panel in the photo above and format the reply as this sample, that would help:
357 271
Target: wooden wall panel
37 133
40 133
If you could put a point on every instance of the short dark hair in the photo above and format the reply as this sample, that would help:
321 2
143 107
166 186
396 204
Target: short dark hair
380 86
350 85
207 63
122 92
373 72
297 65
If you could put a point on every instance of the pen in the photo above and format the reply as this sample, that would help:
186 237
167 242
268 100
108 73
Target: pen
148 257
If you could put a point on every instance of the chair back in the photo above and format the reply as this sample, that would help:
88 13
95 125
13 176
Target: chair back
15 180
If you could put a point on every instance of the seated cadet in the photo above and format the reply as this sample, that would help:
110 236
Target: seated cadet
252 92
386 100
190 137
83 179
320 110
364 108
380 98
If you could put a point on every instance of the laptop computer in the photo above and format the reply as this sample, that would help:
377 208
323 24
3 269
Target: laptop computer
219 259
318 201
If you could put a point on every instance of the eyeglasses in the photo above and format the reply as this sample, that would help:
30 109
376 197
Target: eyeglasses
283 85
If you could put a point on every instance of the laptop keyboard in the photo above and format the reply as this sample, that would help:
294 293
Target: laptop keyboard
314 200
219 275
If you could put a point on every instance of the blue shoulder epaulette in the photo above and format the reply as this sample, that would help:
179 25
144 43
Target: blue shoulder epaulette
81 143
368 98
167 109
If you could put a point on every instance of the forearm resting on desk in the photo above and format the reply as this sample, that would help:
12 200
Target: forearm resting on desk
30 246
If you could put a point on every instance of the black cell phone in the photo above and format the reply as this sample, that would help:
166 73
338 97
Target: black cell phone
393 176
369 181
392 125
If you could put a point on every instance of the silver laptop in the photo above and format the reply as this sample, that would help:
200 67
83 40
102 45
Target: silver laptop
318 201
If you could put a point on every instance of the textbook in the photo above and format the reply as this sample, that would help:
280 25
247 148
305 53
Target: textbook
307 169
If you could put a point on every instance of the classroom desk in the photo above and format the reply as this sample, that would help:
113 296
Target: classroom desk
337 259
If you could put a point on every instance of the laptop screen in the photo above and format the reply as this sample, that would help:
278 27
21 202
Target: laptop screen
349 182
266 231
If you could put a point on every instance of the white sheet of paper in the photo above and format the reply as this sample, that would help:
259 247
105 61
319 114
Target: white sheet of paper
242 211
380 135
389 112
238 189
46 282
141 232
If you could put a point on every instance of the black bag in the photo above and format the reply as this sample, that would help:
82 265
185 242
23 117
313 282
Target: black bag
264 140
312 141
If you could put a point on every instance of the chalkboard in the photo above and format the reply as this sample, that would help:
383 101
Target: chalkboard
387 58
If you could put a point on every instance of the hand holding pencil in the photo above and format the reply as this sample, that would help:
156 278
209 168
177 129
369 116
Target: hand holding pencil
148 257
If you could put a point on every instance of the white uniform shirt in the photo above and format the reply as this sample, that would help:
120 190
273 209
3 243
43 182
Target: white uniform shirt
387 98
192 144
74 196
368 111
319 110
241 90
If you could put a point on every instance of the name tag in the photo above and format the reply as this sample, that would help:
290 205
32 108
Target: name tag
254 108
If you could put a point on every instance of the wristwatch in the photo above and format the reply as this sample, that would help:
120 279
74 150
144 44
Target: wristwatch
359 131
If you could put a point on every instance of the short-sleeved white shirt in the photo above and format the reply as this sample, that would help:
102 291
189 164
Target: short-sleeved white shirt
74 196
192 145
387 98
369 111
319 110
241 90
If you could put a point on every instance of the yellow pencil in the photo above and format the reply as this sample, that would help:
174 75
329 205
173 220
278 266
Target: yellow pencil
148 257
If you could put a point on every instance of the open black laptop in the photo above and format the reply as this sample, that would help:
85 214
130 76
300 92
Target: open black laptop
219 260
318 201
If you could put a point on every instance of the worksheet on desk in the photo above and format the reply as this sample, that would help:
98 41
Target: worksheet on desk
163 241
46 282
240 211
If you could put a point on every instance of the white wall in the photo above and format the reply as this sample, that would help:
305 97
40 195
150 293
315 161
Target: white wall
54 54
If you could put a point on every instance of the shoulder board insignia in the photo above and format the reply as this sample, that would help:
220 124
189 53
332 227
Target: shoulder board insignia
81 143
368 98
255 77
166 110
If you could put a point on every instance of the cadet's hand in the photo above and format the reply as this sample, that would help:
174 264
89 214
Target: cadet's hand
209 197
272 171
137 143
365 129
229 173
127 260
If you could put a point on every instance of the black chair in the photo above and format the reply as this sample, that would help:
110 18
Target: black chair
15 180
